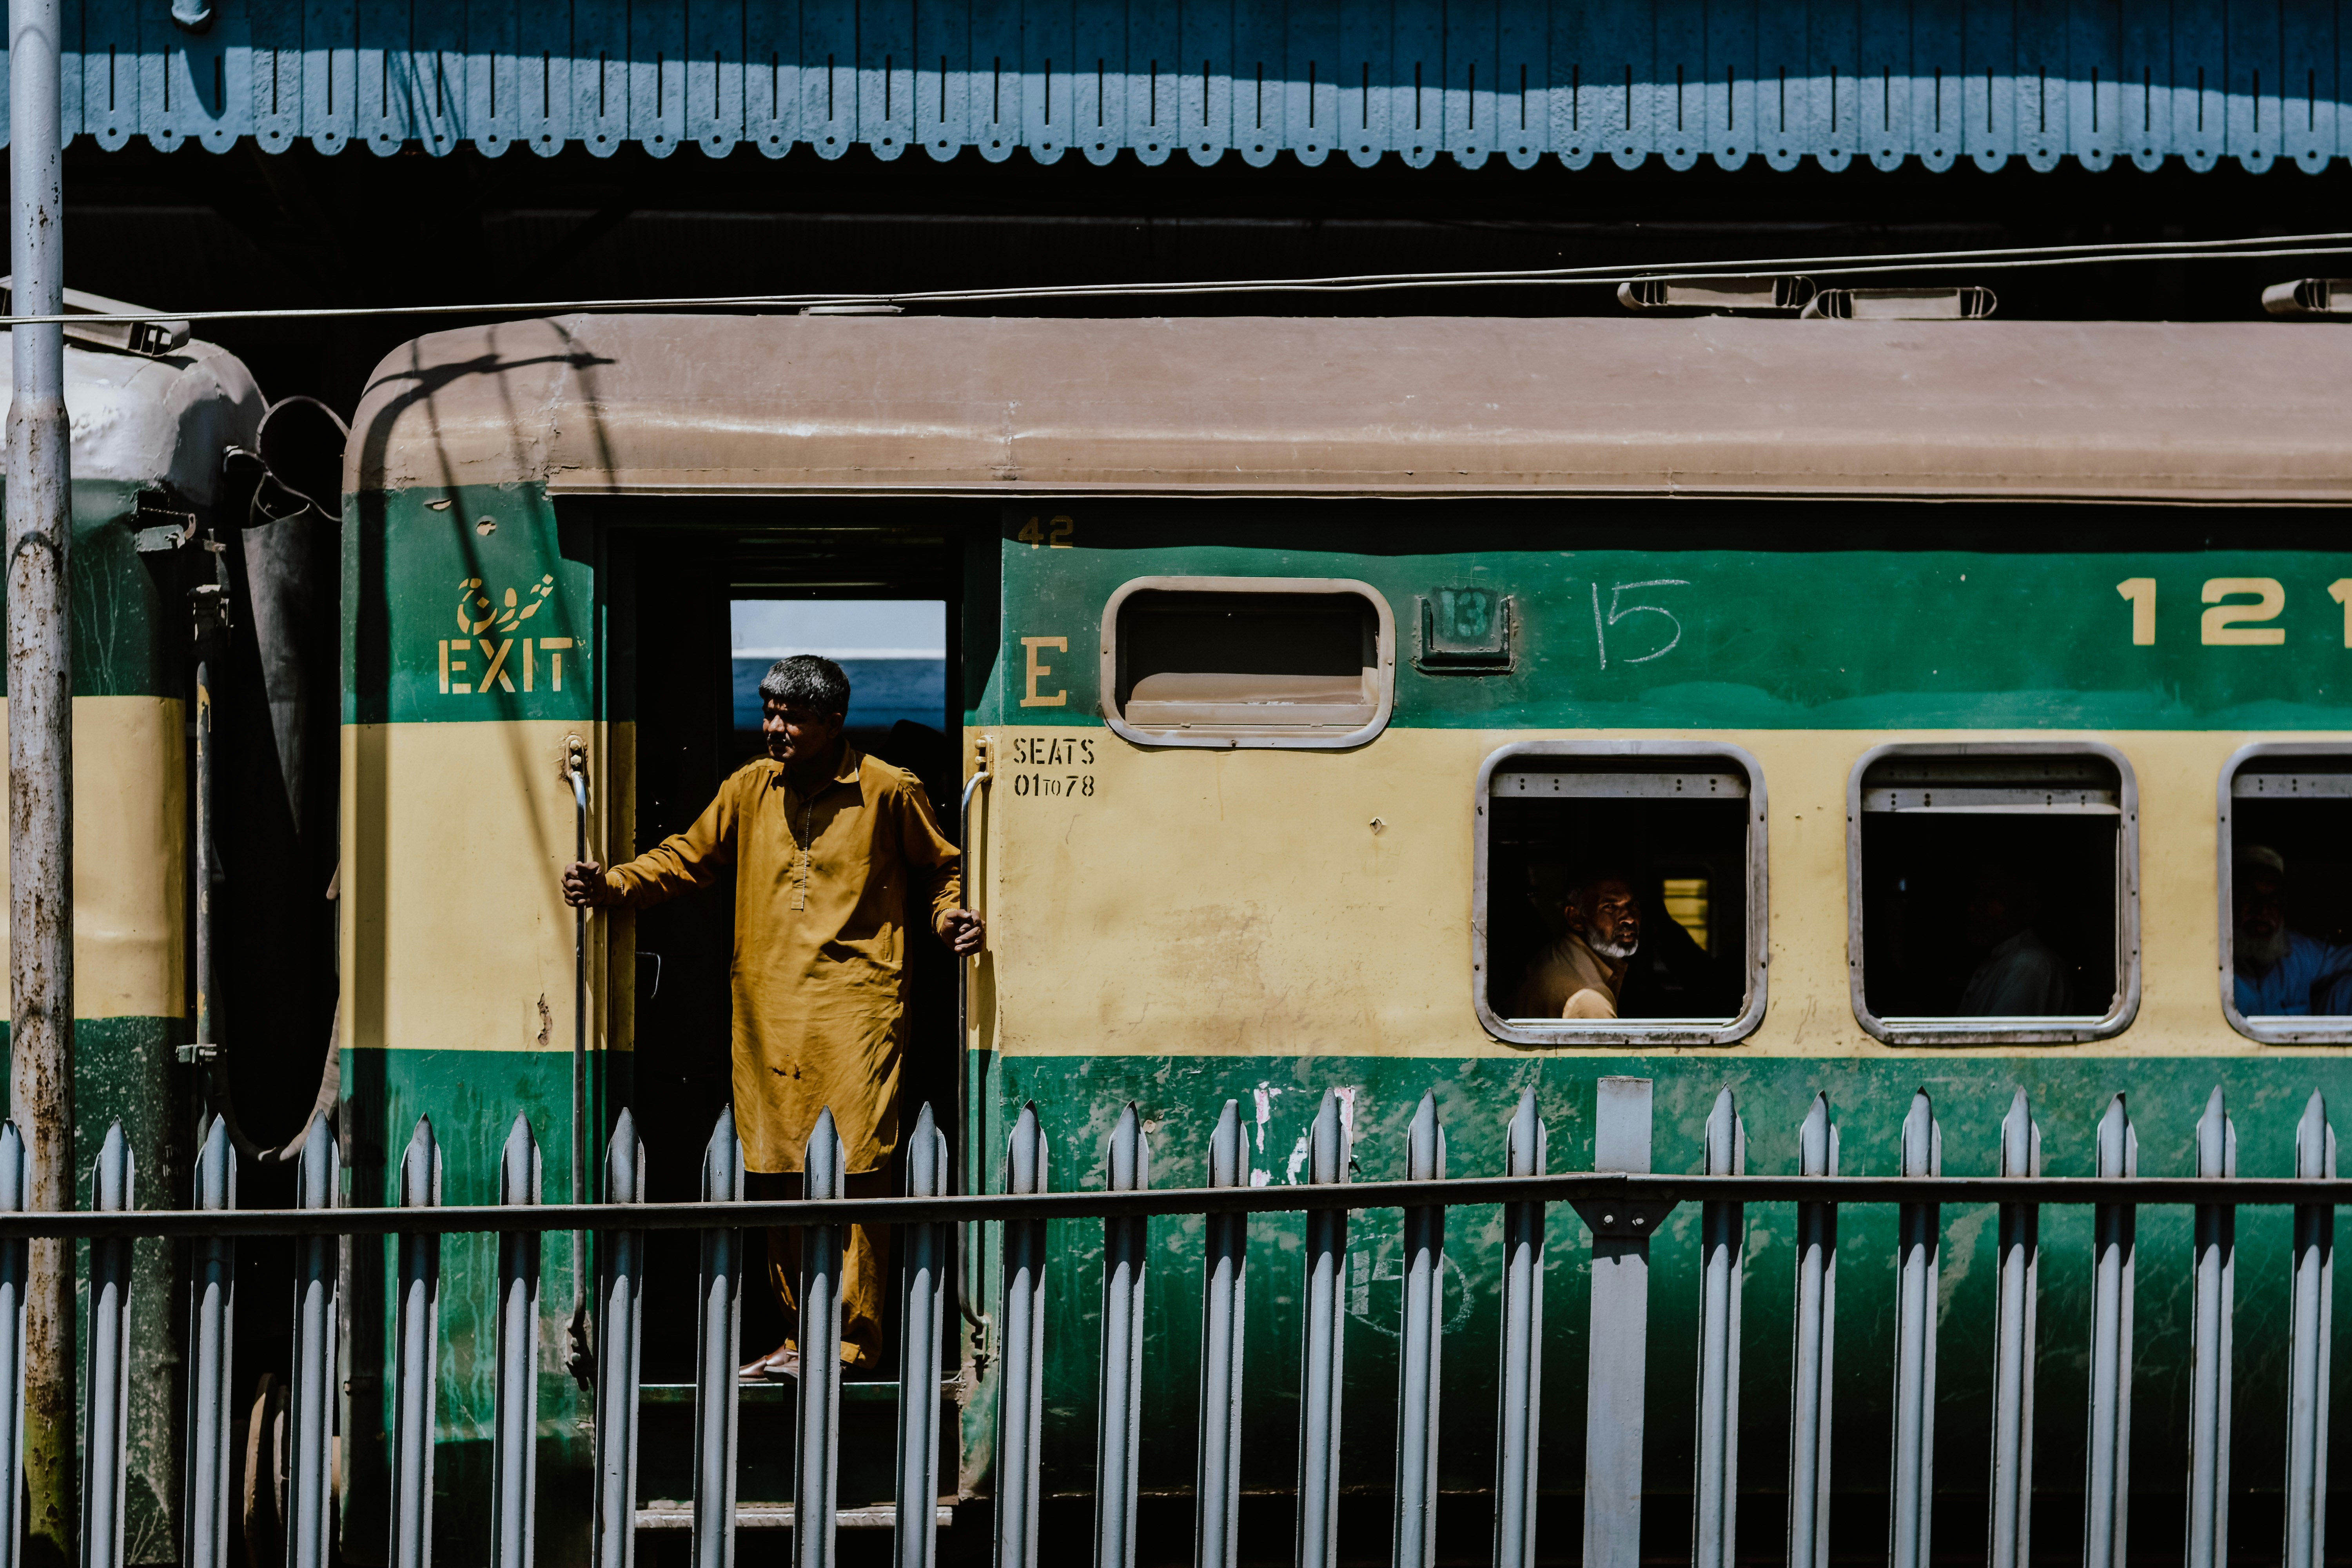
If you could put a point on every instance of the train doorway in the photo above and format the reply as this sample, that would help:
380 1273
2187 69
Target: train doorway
698 614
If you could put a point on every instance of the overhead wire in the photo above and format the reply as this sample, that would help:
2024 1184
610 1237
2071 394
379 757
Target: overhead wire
1875 264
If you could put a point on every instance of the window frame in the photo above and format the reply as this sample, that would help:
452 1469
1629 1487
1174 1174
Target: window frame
1384 651
1942 1031
1575 1032
2284 1031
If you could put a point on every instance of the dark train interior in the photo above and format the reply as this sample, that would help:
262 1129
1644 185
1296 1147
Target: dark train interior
1930 880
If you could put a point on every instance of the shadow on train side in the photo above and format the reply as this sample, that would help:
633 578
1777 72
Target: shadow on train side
206 536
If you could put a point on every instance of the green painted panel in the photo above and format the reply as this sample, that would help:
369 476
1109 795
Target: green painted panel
1178 1099
480 580
126 1069
1746 615
129 610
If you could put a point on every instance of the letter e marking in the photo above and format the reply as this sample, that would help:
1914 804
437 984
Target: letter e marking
1037 670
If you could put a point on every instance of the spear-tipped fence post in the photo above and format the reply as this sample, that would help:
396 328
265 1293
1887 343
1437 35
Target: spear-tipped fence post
1617 1385
620 1332
1520 1381
1715 1527
2107 1462
514 1438
212 1320
1217 1529
1319 1361
928 1256
1912 1478
1119 1423
1419 1343
16 1269
2214 1264
2312 1296
416 1345
311 1404
817 1458
1816 1338
2017 1286
1021 1391
106 1432
718 1342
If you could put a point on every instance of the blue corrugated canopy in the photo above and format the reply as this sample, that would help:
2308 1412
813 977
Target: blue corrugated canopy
1772 81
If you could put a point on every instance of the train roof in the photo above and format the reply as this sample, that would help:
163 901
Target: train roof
161 420
2208 412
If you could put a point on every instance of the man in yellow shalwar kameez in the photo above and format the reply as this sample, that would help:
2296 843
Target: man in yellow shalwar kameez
829 848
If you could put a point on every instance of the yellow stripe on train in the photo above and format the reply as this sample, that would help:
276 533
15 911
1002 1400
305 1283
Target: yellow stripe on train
455 935
131 834
1223 903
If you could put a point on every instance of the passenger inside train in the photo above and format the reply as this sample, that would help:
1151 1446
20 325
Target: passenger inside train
2022 975
2281 971
1617 908
1581 973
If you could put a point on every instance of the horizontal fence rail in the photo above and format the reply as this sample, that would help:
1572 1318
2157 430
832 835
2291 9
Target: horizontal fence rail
1623 1205
1635 1192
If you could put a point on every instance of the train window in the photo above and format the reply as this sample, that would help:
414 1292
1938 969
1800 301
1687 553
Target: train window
1619 893
2286 892
1248 661
1993 893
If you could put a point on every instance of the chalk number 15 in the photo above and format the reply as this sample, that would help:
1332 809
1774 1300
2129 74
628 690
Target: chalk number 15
2238 610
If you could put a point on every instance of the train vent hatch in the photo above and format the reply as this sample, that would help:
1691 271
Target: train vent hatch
1993 893
1970 303
1248 661
1783 296
2309 298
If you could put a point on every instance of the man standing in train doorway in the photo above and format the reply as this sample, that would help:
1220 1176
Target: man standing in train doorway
829 847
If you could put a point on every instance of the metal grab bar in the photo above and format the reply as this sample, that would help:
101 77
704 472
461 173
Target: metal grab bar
582 1361
966 1141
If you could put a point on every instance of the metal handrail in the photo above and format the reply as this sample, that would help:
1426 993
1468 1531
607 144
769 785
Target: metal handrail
1635 1192
575 769
980 774
580 1356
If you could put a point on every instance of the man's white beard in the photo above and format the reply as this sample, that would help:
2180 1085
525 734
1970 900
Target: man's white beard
2265 950
1619 950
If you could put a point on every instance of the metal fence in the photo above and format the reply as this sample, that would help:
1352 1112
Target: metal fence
1621 1202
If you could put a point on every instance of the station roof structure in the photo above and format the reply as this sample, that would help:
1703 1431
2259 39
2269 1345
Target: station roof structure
1740 83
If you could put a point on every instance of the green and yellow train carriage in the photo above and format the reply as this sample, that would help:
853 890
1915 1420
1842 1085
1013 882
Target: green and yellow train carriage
151 431
1311 667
